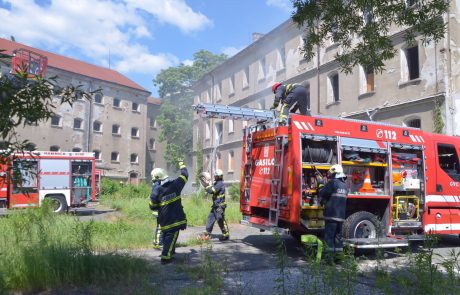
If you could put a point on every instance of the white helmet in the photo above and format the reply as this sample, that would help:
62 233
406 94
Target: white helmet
159 174
337 170
218 173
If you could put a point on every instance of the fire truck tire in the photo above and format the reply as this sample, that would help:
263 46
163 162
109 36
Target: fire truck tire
59 203
362 224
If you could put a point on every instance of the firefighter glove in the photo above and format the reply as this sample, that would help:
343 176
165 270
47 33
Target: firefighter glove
273 107
155 213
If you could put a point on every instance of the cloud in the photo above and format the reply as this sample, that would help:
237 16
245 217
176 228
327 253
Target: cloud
175 12
283 4
89 28
231 51
187 62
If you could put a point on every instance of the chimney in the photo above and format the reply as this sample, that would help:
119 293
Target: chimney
256 36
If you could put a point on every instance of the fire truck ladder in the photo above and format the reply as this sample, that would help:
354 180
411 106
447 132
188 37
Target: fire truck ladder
207 110
248 165
276 183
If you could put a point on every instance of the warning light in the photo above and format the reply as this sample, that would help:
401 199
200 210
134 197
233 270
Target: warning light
364 128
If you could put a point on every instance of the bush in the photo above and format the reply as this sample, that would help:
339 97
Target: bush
234 192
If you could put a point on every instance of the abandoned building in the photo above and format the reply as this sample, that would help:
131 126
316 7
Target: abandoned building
113 124
420 79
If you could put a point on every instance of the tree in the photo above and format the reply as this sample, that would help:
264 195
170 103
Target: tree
25 100
362 27
176 114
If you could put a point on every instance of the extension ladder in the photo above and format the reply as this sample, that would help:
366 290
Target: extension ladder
207 110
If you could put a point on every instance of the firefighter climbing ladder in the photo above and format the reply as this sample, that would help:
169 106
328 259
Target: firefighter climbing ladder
275 196
207 110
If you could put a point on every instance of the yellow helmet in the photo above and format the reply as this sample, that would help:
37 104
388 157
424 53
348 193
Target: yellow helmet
158 174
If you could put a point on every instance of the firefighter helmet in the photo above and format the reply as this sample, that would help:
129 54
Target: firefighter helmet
275 86
158 174
219 173
337 171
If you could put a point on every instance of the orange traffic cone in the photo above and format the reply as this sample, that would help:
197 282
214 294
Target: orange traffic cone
367 186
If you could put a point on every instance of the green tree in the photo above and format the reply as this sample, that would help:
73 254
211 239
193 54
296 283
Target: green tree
362 27
25 100
176 114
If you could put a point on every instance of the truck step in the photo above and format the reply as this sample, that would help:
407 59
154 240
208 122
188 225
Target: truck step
364 243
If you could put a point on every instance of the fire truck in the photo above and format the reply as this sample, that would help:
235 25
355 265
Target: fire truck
403 182
69 179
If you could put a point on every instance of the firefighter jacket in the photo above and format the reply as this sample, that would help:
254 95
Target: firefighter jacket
295 96
334 196
166 199
218 194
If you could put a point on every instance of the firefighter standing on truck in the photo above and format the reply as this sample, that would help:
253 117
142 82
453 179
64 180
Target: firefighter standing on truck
334 197
166 199
217 190
293 97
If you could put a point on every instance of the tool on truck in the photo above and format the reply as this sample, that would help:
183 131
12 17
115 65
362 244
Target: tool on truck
67 178
403 182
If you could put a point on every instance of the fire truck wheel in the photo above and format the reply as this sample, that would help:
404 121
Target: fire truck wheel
59 204
362 224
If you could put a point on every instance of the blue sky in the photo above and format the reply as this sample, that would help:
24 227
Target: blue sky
142 36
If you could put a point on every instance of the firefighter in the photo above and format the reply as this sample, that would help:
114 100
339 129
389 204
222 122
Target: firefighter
217 190
166 199
333 196
293 97
157 234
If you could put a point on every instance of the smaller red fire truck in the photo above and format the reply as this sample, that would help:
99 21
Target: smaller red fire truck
403 182
68 178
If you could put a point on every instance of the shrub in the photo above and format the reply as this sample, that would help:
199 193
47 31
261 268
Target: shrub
234 191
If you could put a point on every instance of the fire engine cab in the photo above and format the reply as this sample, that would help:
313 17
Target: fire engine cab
68 178
403 182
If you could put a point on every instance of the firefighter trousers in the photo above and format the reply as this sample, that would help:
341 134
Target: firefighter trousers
169 243
333 235
158 235
217 214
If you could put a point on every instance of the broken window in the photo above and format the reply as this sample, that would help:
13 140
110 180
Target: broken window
76 150
55 148
134 158
77 123
415 123
115 129
116 103
114 157
410 63
56 120
152 144
135 107
219 128
333 88
97 126
97 154
135 132
98 98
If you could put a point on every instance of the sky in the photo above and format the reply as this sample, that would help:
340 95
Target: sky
139 38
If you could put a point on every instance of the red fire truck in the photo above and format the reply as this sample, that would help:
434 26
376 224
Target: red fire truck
67 178
403 182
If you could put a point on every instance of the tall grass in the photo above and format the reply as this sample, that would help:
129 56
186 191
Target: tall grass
133 201
40 250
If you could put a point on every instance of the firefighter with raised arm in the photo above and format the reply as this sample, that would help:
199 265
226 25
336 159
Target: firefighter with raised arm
217 190
166 199
292 97
333 196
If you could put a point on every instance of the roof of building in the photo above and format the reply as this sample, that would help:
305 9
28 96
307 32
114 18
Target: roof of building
73 65
153 100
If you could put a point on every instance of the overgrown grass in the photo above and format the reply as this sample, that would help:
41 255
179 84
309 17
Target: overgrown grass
133 202
40 250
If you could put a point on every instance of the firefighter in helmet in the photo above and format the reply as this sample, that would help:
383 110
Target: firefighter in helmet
166 199
217 190
333 196
157 234
293 97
